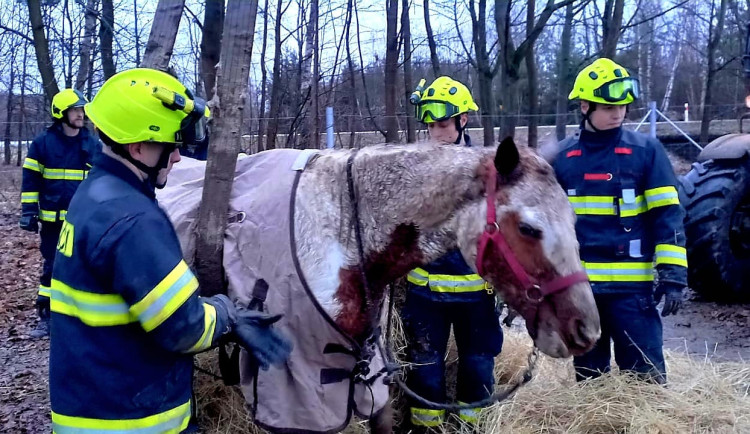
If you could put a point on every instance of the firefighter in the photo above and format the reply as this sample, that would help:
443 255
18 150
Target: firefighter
623 191
126 315
57 162
448 292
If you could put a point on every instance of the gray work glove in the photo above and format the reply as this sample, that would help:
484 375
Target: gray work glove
672 293
29 222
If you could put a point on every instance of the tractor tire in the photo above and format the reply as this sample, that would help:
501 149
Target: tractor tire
716 197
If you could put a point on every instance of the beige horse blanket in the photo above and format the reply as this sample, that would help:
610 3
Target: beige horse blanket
318 389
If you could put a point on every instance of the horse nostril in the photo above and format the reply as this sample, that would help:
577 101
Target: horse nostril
583 336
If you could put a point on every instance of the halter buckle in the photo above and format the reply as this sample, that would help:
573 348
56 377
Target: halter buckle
534 293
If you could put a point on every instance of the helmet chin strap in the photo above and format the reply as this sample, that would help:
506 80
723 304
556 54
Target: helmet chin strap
587 117
460 129
152 172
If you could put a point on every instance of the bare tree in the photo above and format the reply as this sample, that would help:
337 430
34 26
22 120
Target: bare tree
309 80
87 44
276 85
263 82
391 70
106 35
213 22
236 51
9 108
352 75
611 26
163 34
512 57
41 47
564 74
532 77
22 111
486 71
411 134
431 39
714 38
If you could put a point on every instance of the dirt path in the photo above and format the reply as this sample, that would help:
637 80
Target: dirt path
703 329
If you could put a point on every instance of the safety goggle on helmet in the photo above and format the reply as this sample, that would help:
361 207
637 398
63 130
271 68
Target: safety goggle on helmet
606 82
441 100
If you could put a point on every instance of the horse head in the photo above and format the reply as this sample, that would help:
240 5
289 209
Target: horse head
527 249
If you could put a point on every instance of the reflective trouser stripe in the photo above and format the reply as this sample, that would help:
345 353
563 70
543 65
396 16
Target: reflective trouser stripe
619 271
44 291
448 282
426 417
170 421
470 415
671 254
30 197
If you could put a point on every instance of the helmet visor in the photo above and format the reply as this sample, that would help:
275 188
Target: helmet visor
618 90
434 111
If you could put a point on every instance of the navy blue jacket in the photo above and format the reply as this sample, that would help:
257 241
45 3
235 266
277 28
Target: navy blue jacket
126 314
449 278
623 191
54 167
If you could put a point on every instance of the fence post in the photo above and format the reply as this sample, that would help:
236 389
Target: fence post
329 127
687 117
652 118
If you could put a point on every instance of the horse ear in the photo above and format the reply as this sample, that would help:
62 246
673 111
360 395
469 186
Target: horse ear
507 157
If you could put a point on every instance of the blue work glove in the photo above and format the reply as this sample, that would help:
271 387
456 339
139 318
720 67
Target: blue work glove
29 222
672 293
253 331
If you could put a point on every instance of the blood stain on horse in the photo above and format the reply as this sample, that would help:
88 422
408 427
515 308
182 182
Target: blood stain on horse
383 267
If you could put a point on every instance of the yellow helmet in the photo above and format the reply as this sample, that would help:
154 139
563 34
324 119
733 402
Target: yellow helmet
606 82
146 105
65 99
443 99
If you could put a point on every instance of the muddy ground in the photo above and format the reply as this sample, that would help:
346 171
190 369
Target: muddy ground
704 329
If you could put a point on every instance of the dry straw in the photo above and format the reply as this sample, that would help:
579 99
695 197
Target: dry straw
702 397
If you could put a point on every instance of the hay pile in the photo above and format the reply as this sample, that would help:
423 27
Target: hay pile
702 397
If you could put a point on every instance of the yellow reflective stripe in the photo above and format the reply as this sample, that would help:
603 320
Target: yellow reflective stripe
47 216
619 271
32 164
170 421
166 297
209 326
426 417
418 276
29 196
671 254
96 310
63 214
44 291
661 196
633 209
470 415
64 174
593 205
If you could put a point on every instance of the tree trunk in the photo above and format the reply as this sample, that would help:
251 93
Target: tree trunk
670 83
87 44
411 133
532 77
714 37
22 119
68 73
431 40
163 34
213 23
136 35
310 131
391 71
41 48
352 76
9 111
485 71
263 83
611 27
563 74
237 48
106 36
273 115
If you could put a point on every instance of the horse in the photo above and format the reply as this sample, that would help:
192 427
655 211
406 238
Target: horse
360 220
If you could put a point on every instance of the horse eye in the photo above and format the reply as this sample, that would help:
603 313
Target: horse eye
529 231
